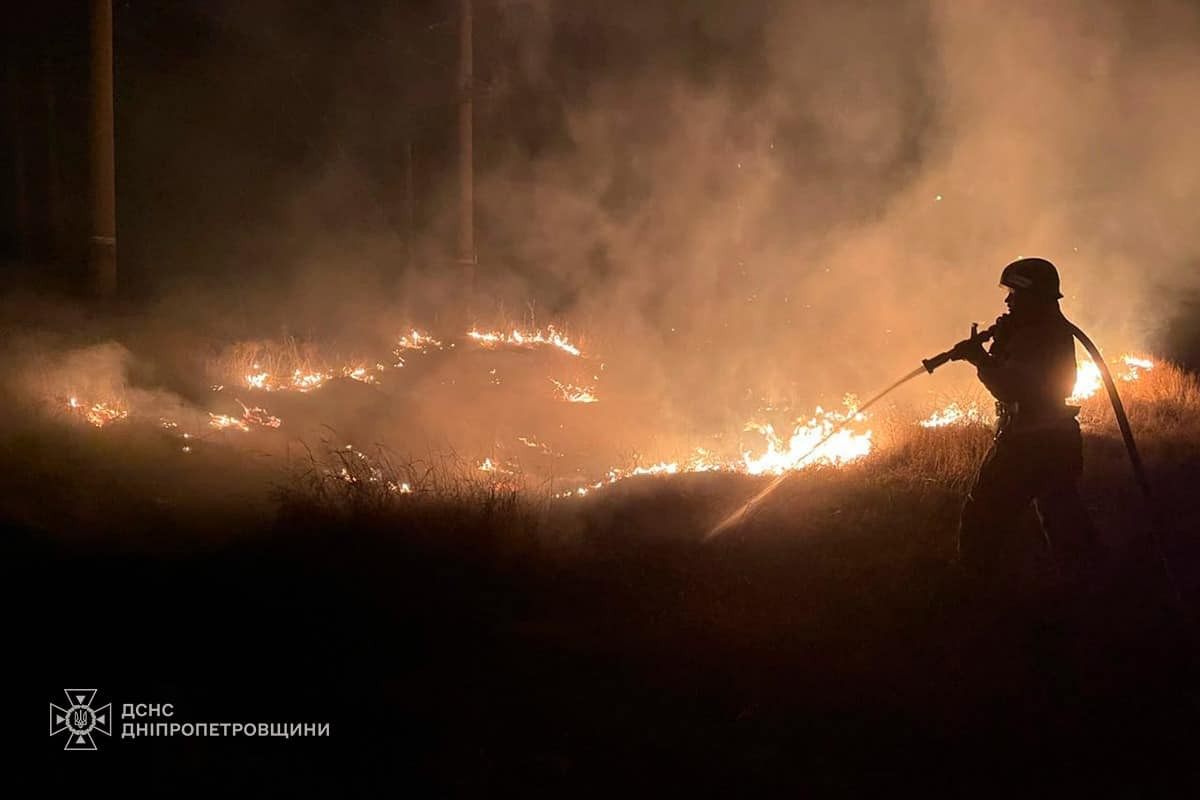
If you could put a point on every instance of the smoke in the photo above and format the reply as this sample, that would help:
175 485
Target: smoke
759 182
800 195
735 204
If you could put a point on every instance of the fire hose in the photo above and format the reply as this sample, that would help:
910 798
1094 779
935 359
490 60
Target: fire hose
1157 524
929 365
1135 458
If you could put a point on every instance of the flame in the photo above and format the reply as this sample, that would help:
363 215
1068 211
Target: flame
516 338
414 340
224 422
533 443
259 417
1088 379
301 380
800 451
804 448
701 461
953 414
97 414
575 394
360 374
307 380
1088 382
795 447
1134 363
357 467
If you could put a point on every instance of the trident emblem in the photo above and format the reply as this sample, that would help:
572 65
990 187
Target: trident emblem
80 720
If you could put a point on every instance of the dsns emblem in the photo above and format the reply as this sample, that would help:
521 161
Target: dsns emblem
80 720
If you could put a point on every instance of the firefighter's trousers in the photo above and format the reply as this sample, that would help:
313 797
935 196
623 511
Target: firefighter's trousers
1039 466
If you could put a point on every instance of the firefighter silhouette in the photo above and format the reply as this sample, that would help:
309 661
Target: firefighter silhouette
1036 457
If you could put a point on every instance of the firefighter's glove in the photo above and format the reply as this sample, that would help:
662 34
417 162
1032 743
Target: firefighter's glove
969 350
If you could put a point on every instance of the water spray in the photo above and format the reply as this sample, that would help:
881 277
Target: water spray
928 365
744 512
1157 526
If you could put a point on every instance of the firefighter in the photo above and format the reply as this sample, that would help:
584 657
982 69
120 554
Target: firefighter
1036 456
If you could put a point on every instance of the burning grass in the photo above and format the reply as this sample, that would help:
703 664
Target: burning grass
286 365
335 480
916 466
414 342
251 417
843 579
538 451
97 414
766 446
570 393
524 338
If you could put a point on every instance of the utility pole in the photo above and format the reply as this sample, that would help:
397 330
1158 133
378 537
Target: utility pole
20 162
466 171
102 253
409 205
53 168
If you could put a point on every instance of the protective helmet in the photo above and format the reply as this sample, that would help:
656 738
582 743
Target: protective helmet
1034 275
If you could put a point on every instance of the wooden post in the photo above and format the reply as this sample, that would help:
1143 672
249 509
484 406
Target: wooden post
53 168
409 206
466 174
20 162
102 258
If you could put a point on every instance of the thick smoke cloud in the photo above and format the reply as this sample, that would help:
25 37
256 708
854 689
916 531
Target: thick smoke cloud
807 195
760 176
734 204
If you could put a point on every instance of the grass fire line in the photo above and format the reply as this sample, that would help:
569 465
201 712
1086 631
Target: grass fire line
833 438
930 365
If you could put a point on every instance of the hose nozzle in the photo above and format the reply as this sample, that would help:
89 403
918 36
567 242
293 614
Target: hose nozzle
977 337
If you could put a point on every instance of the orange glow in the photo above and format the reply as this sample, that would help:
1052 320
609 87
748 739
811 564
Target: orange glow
765 447
530 338
1088 381
954 414
575 394
97 414
803 446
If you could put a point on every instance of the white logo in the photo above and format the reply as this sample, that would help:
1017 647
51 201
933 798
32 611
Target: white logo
80 720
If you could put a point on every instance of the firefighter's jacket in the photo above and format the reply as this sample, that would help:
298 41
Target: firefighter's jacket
1030 370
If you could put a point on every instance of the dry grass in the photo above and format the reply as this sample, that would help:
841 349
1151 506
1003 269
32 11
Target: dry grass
343 481
594 632
1164 409
285 364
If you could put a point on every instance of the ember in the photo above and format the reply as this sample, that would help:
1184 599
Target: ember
250 417
414 341
516 338
97 414
575 394
802 444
